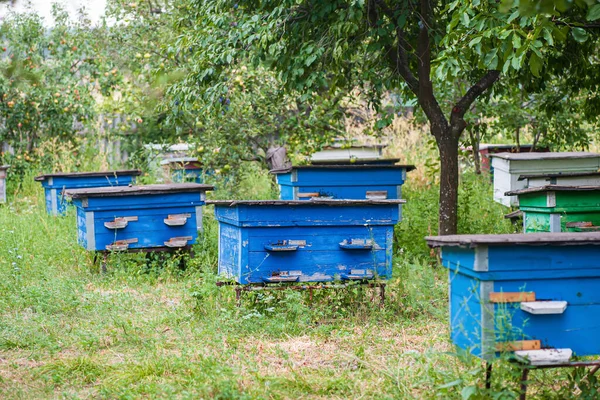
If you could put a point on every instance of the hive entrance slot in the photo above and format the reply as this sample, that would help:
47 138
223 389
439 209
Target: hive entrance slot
357 244
544 307
120 222
121 245
177 242
177 219
285 245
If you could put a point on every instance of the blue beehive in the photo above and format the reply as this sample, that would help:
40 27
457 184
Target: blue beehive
305 241
526 293
139 217
343 181
183 169
56 184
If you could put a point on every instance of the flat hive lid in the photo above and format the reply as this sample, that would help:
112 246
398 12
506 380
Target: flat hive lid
531 239
484 146
545 156
558 175
114 191
357 161
312 202
553 188
4 167
179 160
134 172
345 166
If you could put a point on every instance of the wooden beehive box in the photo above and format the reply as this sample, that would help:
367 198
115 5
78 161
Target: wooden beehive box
182 169
562 179
343 153
508 167
557 208
517 292
306 241
56 184
3 169
343 181
139 217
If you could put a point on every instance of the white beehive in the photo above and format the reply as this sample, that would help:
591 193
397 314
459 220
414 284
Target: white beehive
3 169
508 167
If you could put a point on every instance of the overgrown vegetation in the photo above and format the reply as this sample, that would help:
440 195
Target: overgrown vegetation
158 326
150 328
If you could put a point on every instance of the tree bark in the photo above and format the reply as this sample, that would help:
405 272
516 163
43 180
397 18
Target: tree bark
448 218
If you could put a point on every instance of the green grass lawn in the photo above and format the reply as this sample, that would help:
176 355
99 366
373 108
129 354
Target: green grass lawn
148 329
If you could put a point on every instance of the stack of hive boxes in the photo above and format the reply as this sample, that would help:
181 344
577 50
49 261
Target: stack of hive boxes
334 221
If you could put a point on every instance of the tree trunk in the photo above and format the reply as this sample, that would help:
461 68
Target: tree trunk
448 218
475 139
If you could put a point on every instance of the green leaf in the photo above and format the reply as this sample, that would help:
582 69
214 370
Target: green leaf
535 64
516 63
516 39
579 34
466 20
475 41
548 36
450 384
594 13
491 59
468 392
513 16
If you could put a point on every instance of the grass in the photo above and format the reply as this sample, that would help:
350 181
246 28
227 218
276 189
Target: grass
148 329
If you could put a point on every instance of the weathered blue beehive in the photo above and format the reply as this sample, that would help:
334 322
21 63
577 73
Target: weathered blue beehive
305 241
526 293
343 181
56 184
182 169
139 217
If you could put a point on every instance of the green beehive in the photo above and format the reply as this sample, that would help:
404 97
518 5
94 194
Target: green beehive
556 208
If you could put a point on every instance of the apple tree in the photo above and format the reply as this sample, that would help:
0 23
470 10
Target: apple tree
411 46
47 78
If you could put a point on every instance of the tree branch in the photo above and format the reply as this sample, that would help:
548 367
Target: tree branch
457 121
426 97
397 55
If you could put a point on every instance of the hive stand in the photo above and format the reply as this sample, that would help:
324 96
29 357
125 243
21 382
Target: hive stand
101 256
542 361
239 289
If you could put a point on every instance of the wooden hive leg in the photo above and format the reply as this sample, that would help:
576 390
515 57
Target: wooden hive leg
103 263
524 375
381 295
488 375
238 296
